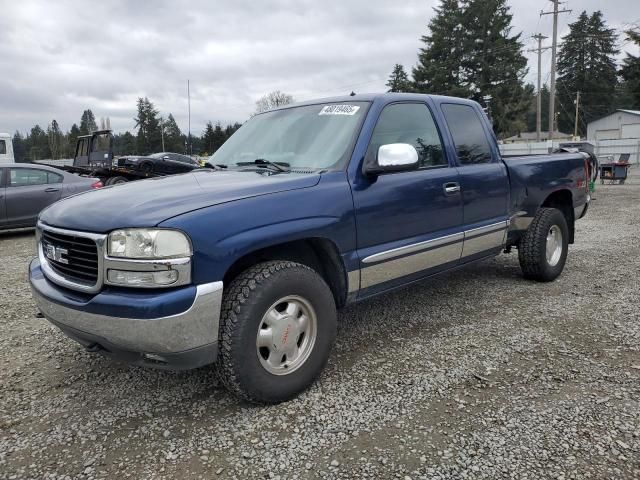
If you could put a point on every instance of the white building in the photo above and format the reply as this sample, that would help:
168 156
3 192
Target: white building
6 148
615 126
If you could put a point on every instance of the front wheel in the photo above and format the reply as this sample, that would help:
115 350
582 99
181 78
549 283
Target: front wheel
146 168
277 327
543 248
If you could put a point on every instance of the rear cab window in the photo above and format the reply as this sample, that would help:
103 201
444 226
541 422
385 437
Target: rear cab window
469 137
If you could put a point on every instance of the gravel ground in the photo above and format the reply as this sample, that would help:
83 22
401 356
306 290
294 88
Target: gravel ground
476 374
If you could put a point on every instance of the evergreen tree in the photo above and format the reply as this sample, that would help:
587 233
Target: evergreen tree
74 133
231 129
19 147
439 69
470 52
124 144
149 137
493 63
218 137
208 138
173 138
531 113
586 63
399 80
87 123
70 141
630 73
37 144
55 139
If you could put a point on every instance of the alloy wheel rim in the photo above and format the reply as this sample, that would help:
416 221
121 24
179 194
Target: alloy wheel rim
286 335
554 245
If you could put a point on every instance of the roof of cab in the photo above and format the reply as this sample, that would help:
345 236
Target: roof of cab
371 97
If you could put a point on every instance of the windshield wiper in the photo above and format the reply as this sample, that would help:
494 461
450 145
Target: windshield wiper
261 162
217 166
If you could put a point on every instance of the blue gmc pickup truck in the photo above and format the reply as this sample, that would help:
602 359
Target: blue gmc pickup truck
304 210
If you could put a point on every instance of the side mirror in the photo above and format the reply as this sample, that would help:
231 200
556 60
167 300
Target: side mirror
166 157
394 157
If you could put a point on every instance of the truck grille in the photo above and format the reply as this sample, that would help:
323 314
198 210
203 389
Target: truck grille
73 257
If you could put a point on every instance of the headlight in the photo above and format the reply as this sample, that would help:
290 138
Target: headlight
143 243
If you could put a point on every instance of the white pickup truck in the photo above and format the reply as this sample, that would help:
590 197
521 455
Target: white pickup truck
6 149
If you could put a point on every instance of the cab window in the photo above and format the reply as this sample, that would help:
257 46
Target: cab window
410 123
472 146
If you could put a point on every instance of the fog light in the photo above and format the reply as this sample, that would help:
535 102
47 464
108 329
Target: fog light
142 279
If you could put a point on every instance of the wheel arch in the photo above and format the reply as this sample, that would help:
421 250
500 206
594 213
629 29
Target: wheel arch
319 253
563 201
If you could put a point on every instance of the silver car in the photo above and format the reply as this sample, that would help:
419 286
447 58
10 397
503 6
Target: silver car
26 189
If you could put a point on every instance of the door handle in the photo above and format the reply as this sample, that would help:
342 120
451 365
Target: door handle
451 188
51 190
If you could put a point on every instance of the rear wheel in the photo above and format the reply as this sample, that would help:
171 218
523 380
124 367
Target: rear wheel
116 180
543 249
277 326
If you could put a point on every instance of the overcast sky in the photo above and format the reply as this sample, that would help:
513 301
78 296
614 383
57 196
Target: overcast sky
59 58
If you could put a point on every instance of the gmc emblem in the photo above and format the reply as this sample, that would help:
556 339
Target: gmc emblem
55 253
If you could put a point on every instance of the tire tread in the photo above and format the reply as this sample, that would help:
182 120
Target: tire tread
239 293
533 244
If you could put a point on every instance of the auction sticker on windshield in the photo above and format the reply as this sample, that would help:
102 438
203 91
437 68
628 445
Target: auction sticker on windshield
339 110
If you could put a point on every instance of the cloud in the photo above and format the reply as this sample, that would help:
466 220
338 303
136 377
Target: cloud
59 58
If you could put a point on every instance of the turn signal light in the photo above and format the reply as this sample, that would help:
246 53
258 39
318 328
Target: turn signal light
97 184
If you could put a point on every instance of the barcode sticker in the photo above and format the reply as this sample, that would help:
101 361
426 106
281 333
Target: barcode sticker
339 110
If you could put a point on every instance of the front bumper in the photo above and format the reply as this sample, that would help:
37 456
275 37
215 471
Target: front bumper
170 329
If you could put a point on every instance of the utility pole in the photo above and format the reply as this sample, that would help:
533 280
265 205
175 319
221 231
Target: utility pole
162 132
554 44
575 128
189 106
539 50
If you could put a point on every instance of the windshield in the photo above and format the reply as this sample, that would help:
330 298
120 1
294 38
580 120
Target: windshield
157 155
306 137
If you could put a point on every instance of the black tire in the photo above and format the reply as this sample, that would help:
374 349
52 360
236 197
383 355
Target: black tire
532 248
117 180
247 299
146 167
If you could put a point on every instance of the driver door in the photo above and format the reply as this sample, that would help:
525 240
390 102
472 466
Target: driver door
409 224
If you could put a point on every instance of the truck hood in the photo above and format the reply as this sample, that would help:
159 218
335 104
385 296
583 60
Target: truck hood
147 203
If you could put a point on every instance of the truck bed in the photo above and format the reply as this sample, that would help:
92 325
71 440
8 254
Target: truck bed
535 177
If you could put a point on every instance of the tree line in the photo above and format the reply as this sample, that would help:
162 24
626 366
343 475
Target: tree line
54 143
151 131
469 51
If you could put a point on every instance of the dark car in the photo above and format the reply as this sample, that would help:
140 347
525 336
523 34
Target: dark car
26 189
163 162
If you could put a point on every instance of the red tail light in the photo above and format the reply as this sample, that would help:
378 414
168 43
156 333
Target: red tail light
587 174
97 184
